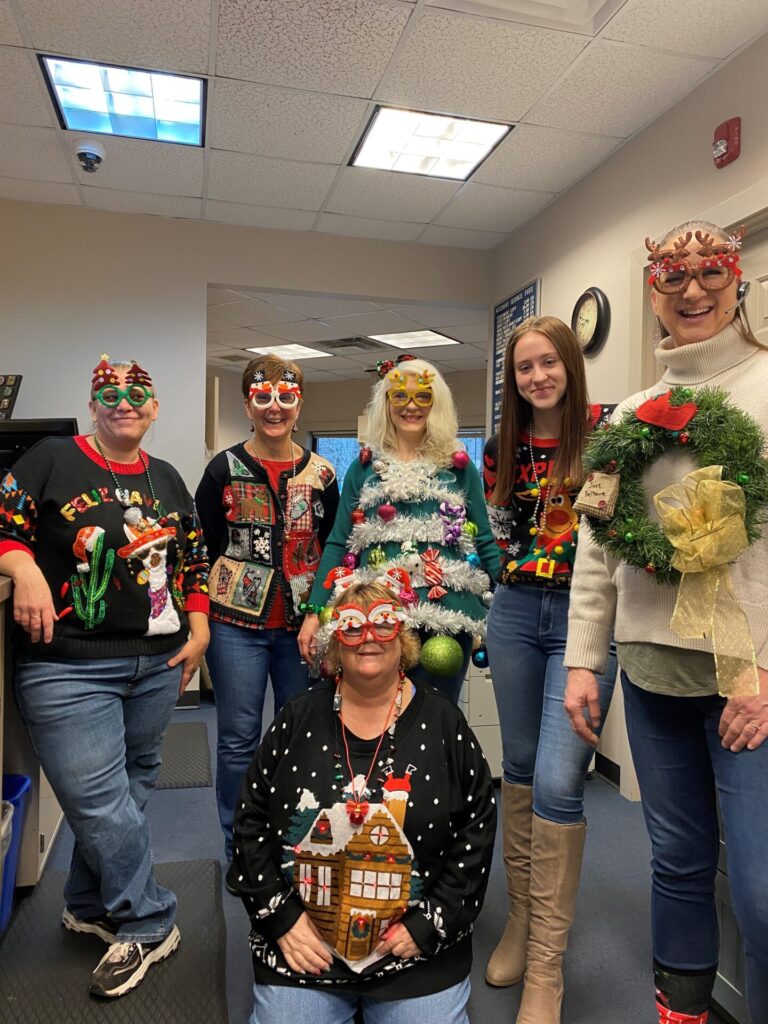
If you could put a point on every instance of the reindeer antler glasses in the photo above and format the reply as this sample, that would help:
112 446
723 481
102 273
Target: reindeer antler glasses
670 271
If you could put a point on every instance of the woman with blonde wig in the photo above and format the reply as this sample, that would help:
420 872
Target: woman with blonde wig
412 508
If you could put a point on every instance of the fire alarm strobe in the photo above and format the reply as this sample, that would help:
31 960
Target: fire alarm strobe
726 144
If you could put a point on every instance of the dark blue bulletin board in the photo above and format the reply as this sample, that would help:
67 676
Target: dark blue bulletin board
506 316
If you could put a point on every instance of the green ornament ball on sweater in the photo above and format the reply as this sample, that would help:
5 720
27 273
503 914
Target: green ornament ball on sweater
442 656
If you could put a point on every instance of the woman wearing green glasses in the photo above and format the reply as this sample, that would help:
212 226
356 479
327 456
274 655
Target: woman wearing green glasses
111 605
412 511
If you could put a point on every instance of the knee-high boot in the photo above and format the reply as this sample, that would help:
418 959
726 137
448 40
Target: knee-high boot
556 855
507 964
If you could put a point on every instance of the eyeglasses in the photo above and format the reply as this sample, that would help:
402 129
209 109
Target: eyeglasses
381 622
111 396
400 397
262 395
710 276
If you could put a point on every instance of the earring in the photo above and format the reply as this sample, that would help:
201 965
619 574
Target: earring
251 428
295 429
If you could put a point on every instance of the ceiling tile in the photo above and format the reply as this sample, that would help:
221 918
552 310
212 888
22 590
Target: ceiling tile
380 322
39 191
248 313
237 338
303 332
440 316
487 208
319 306
365 227
32 153
23 97
219 296
338 46
616 89
9 30
142 202
461 239
477 67
705 27
471 334
258 216
243 178
388 195
546 159
163 34
250 118
159 168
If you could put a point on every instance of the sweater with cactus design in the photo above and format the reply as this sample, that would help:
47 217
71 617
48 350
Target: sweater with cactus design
122 579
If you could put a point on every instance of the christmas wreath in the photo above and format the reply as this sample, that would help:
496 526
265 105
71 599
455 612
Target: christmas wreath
706 424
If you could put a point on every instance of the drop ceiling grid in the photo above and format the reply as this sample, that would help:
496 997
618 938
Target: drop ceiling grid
298 78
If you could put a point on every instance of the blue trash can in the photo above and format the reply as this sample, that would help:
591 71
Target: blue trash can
15 789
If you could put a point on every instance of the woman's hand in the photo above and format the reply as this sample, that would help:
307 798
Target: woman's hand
303 949
33 607
398 941
744 721
191 654
306 638
582 692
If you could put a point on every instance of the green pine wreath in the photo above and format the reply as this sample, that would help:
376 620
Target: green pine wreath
715 432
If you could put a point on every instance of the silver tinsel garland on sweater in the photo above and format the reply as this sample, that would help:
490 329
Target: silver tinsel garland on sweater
457 575
423 529
409 481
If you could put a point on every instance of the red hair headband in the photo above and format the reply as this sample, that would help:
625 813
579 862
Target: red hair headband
385 365
105 374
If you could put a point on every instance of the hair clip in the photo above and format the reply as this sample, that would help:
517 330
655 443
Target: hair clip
385 366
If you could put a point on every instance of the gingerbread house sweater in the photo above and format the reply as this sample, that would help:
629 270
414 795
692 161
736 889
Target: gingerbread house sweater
422 853
122 579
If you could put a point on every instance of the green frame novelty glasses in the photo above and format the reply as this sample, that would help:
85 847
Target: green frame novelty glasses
111 396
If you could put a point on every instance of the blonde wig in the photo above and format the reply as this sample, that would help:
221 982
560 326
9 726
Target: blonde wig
363 595
439 441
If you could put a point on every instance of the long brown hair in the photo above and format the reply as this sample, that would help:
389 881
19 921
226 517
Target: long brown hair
517 413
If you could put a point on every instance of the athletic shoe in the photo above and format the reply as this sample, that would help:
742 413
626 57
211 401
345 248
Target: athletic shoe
124 964
99 926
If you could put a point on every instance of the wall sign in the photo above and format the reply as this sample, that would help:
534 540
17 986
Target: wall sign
506 316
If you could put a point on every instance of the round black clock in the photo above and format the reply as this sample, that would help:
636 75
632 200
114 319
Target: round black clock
591 319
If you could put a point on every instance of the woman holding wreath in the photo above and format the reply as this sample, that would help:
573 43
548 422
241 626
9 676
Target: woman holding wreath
412 507
696 707
532 474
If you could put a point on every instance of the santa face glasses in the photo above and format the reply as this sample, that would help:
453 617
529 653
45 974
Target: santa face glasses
381 622
135 395
263 393
670 271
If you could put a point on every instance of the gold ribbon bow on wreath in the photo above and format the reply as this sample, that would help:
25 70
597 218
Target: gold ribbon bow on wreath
703 519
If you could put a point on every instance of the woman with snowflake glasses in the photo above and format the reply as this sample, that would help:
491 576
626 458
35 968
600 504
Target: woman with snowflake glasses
266 506
364 835
413 505
694 670
532 475
111 605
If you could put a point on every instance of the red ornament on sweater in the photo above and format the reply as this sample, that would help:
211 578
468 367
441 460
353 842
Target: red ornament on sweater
659 412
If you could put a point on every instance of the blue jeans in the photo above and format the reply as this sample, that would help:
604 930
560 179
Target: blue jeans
449 685
286 1004
527 628
97 727
683 771
240 660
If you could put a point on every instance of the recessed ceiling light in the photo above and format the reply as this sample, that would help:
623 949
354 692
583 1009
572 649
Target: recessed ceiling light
126 101
290 352
414 339
418 143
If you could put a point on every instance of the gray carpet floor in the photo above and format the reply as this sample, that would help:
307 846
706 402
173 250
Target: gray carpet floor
608 976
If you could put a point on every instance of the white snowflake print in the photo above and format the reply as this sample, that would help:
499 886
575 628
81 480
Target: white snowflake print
261 546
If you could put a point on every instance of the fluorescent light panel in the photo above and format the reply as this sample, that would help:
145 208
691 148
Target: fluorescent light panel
418 143
414 339
127 101
290 352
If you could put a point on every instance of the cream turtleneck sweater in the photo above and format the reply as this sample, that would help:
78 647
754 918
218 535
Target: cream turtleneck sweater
609 597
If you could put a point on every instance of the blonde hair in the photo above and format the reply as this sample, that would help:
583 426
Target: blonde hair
740 320
442 424
364 594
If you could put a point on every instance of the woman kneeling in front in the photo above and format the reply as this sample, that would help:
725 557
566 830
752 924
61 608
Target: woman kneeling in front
364 836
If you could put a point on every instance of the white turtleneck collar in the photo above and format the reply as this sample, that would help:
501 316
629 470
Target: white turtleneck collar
701 361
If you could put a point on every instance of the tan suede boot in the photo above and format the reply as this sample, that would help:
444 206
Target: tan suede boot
556 855
507 964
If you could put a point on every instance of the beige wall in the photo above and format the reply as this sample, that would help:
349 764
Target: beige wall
75 283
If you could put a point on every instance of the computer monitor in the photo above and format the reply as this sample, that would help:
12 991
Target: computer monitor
17 436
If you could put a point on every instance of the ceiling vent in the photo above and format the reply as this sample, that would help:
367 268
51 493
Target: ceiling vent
350 346
244 358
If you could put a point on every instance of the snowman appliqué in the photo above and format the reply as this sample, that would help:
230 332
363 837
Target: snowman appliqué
148 544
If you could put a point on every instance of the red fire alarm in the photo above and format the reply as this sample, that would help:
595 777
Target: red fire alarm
726 144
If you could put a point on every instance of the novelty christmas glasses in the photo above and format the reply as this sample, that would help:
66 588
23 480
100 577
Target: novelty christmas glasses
670 271
263 393
353 625
401 392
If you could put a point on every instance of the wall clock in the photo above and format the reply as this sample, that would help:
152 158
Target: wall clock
591 319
